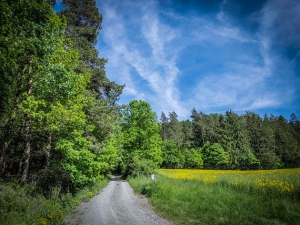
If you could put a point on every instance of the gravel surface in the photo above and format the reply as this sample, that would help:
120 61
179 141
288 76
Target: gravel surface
116 204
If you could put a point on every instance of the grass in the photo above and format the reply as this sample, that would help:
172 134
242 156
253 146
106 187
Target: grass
282 183
224 197
24 206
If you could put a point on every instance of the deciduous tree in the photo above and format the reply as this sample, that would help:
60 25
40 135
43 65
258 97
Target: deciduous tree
140 132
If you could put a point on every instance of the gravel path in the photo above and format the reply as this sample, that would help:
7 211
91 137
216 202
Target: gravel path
116 204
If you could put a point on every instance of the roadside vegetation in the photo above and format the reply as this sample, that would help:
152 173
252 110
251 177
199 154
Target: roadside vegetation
25 206
224 197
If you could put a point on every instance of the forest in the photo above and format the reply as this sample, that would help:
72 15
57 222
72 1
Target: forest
230 141
61 124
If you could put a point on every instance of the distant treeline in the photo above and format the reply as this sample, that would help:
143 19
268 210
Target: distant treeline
230 141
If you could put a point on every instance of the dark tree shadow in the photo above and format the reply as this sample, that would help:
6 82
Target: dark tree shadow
117 178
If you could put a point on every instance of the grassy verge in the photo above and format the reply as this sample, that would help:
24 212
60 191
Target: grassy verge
22 205
194 202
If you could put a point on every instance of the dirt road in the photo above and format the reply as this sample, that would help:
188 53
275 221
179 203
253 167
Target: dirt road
116 204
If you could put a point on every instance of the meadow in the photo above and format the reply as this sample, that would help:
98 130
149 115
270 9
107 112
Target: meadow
224 196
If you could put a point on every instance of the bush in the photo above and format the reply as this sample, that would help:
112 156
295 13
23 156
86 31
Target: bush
140 167
19 206
52 177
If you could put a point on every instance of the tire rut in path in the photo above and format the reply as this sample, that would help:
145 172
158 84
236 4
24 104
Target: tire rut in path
116 204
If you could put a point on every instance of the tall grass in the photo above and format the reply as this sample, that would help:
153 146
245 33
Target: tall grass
223 199
25 206
284 183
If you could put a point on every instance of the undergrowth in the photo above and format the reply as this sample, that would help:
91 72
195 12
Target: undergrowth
26 206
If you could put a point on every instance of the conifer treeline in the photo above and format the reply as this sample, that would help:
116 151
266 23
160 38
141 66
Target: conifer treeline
230 141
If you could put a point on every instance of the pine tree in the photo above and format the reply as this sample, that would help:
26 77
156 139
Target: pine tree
83 27
175 129
198 129
164 122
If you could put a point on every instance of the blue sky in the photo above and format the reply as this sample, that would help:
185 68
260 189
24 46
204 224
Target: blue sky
211 55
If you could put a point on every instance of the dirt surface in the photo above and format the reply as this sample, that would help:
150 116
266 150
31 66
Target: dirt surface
116 204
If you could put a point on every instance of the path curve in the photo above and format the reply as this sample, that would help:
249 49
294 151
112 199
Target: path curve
116 204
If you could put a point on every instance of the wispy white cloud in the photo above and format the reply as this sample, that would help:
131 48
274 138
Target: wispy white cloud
235 90
150 48
278 67
156 67
250 85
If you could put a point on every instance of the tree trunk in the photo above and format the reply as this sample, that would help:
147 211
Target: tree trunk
2 162
26 154
48 149
7 133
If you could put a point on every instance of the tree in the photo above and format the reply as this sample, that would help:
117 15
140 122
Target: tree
204 127
287 142
175 129
83 27
171 128
233 137
164 122
61 129
214 156
198 129
193 158
173 156
249 161
262 141
293 119
140 133
31 35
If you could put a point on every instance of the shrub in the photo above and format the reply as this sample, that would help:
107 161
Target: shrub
140 167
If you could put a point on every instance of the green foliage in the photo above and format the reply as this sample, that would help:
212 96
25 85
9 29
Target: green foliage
173 156
83 28
287 142
51 73
23 40
24 205
102 116
187 133
262 140
193 158
214 156
38 72
54 176
140 134
109 155
80 163
174 129
141 167
232 135
250 141
18 206
249 162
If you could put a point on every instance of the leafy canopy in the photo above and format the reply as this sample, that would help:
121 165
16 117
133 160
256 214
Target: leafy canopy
140 132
